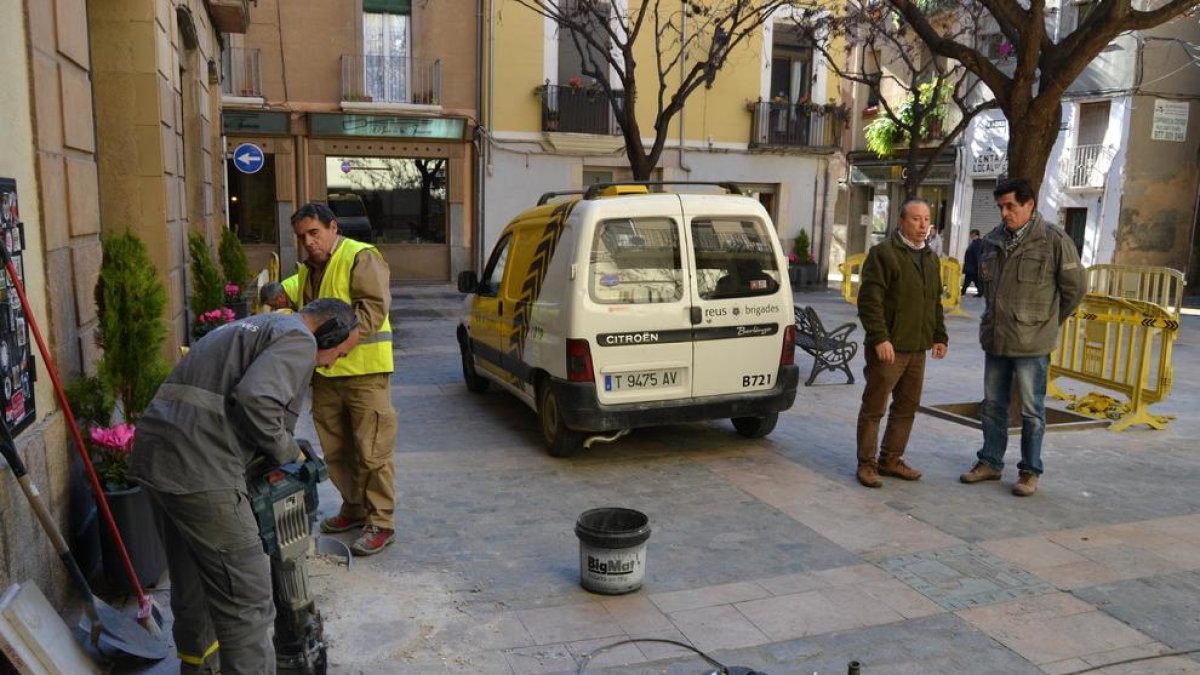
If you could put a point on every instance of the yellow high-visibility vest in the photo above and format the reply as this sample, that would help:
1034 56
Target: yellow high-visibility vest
374 352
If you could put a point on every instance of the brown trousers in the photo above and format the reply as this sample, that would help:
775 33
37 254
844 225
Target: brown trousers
900 380
357 427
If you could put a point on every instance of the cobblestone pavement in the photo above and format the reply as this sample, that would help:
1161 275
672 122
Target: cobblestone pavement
767 553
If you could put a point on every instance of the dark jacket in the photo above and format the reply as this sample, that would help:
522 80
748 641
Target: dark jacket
971 258
1030 291
898 302
235 396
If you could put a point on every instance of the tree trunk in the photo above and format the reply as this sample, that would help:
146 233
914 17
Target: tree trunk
1031 137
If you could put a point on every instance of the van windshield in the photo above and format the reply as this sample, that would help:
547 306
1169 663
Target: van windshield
636 260
734 258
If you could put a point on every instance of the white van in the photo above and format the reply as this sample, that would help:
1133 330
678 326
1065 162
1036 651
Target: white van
617 307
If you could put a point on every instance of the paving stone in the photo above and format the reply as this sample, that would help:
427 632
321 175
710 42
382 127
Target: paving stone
1166 607
963 576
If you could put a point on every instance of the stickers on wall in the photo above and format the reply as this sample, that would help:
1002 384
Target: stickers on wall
17 371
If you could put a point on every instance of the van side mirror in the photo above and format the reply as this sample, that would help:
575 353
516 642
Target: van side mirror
467 281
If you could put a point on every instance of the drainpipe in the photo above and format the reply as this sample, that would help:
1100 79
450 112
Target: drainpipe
479 141
488 116
683 69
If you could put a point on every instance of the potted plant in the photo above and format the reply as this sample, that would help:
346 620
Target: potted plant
237 272
802 267
212 320
208 291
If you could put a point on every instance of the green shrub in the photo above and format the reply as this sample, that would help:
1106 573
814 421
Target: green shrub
801 248
233 259
130 300
208 291
91 400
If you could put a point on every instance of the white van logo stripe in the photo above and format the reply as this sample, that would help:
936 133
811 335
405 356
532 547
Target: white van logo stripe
654 337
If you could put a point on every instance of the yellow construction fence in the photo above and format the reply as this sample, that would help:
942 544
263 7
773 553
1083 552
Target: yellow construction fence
951 274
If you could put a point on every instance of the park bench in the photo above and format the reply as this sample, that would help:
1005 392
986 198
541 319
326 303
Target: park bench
831 350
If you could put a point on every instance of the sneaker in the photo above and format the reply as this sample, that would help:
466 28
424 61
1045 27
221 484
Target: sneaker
1027 484
981 472
868 475
373 540
340 523
898 469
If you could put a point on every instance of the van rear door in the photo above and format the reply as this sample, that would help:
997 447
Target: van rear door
638 300
742 293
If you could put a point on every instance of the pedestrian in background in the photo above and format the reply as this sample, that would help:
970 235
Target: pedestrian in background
935 242
971 264
1032 281
900 308
232 399
352 400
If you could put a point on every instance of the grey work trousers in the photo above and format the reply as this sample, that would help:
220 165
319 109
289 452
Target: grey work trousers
902 381
220 582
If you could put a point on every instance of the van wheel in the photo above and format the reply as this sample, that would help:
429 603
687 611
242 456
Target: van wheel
560 440
475 383
756 427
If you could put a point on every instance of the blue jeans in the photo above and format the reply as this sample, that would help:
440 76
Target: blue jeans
999 373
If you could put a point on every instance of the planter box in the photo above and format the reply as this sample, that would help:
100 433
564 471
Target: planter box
134 515
804 275
241 308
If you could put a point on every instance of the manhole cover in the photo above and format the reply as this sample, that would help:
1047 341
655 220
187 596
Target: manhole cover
964 576
968 414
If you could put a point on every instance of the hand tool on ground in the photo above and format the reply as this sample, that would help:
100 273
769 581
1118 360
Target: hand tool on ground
148 614
109 630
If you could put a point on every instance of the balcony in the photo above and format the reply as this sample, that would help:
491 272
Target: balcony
578 110
241 73
796 125
401 80
230 16
1084 167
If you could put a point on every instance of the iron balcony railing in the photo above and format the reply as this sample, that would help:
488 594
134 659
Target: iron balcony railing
1084 166
241 72
371 78
580 110
796 125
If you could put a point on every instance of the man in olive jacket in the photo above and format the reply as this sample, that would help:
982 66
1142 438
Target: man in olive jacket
1032 281
900 307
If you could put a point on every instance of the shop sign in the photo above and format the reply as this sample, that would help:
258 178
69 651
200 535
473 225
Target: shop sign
387 126
989 163
252 122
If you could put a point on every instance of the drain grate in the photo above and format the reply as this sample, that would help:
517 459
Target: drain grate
969 414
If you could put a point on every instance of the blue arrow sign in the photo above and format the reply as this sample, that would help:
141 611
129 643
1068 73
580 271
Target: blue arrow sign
248 158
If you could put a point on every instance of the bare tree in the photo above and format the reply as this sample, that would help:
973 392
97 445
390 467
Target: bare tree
1031 95
928 86
691 42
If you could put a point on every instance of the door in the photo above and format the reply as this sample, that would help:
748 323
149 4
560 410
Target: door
741 292
637 310
487 311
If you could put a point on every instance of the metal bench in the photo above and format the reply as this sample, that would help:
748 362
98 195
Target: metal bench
831 350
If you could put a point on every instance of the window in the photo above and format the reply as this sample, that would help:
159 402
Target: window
734 258
493 274
571 62
791 65
636 261
1082 10
386 67
405 198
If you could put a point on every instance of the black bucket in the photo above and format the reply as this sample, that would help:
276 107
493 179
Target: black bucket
612 549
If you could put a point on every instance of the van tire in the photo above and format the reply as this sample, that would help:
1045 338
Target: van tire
561 440
475 383
756 427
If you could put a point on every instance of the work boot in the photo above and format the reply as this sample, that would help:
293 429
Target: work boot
896 468
981 472
1026 484
373 540
868 474
340 523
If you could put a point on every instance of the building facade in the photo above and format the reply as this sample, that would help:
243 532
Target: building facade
368 105
764 123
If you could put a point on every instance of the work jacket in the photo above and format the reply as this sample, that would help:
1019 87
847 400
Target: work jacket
234 397
1029 291
374 351
899 301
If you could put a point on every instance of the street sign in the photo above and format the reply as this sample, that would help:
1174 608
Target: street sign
248 158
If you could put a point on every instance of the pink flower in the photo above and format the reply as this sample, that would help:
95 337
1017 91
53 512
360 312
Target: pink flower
793 258
117 438
232 289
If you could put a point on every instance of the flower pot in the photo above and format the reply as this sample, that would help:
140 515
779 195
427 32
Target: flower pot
134 515
240 307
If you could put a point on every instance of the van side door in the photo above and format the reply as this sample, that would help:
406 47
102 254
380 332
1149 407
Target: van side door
488 307
742 294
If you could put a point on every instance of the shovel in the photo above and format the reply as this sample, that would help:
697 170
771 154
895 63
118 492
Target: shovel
109 630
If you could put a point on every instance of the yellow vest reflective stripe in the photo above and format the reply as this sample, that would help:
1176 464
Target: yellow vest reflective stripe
374 352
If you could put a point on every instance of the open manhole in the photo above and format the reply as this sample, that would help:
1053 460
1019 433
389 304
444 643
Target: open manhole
968 414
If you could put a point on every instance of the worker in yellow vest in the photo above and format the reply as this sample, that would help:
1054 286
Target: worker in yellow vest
351 400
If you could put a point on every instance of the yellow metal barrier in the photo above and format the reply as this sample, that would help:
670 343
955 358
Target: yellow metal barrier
852 276
1162 286
266 275
1122 345
951 271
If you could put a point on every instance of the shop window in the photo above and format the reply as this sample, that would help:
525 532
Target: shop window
405 199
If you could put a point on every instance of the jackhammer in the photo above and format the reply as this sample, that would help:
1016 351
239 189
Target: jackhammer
284 501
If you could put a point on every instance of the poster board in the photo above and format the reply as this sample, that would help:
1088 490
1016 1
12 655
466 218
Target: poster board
17 370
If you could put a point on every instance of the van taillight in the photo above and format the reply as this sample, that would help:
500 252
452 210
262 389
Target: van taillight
788 357
579 361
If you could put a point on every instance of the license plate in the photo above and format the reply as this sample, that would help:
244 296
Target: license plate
643 379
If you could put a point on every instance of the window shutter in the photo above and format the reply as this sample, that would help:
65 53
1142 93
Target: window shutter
387 7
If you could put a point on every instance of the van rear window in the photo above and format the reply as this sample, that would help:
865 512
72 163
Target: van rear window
636 260
734 258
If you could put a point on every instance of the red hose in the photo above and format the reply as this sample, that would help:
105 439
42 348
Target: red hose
145 609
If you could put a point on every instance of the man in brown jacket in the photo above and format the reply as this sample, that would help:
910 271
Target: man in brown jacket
900 308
